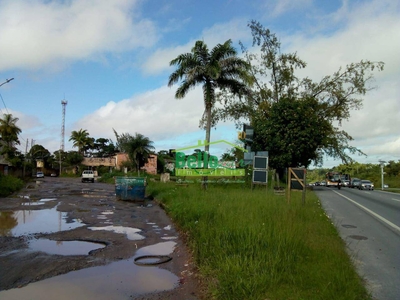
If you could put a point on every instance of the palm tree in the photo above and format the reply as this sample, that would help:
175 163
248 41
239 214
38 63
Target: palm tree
219 68
9 132
137 147
81 139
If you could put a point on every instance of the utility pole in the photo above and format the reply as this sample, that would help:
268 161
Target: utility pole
26 151
382 165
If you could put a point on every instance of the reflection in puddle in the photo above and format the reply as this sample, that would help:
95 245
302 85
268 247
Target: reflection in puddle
118 280
63 247
169 237
47 199
32 203
163 248
36 202
23 222
131 233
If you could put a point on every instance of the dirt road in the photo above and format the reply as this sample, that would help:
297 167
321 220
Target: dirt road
75 240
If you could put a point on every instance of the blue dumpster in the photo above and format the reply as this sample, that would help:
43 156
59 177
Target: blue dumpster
130 188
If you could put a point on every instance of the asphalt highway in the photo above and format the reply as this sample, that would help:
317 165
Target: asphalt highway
369 223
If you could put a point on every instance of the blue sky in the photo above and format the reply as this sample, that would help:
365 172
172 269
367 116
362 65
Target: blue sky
110 61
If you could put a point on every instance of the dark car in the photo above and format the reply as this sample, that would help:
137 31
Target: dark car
366 185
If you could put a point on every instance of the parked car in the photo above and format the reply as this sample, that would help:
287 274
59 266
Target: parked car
354 183
39 175
87 175
366 185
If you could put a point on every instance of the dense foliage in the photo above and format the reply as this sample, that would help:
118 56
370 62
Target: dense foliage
280 105
9 132
9 184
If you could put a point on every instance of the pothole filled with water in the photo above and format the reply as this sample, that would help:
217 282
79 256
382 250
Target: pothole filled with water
64 247
118 280
37 202
24 222
131 233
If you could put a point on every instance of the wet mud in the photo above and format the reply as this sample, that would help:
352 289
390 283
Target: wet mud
64 237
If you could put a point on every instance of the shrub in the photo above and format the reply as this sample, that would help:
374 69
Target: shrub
9 185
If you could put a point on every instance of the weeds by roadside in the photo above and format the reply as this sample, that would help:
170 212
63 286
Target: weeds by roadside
9 185
253 245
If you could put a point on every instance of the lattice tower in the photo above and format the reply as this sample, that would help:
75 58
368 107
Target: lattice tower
64 104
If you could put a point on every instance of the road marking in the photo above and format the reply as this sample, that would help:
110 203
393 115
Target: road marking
395 199
394 226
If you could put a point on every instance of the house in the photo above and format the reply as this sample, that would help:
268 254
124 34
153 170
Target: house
150 167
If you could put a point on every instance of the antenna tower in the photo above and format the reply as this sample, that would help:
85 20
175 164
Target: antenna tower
64 104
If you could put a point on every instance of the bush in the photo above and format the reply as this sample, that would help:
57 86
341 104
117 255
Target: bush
9 185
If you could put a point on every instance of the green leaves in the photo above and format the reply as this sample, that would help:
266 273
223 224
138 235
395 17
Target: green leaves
294 117
138 147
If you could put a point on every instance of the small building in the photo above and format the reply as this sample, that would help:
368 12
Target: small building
118 160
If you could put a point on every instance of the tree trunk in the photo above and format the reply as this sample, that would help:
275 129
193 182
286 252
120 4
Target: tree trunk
207 144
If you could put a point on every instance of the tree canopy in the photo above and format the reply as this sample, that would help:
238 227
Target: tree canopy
296 120
81 140
9 132
138 147
219 68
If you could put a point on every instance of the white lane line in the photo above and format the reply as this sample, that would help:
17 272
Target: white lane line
396 199
394 226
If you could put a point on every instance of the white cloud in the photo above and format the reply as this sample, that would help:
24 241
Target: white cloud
39 34
156 114
219 33
368 32
276 8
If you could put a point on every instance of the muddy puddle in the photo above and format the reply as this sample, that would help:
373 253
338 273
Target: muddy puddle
63 247
25 222
119 280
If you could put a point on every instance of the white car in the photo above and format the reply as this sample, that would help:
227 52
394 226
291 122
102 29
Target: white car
366 185
87 175
39 175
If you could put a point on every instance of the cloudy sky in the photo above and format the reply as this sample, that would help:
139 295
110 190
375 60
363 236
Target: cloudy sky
110 61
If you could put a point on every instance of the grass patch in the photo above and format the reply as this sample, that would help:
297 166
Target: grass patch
253 245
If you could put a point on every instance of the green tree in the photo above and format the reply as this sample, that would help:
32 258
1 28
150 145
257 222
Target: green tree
138 148
81 140
392 168
294 121
9 132
104 147
281 104
73 158
39 153
219 68
163 158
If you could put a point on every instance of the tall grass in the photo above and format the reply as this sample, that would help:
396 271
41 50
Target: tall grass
254 245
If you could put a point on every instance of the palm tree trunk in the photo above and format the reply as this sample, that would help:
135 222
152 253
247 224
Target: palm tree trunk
207 144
